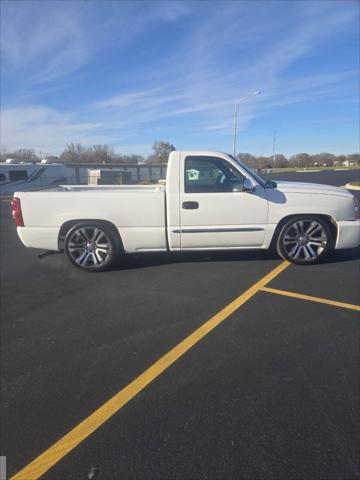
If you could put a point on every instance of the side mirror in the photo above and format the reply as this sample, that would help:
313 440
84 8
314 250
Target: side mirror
245 186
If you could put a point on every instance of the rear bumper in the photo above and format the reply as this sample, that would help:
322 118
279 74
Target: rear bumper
39 237
348 234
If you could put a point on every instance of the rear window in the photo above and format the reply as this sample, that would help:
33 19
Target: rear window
18 175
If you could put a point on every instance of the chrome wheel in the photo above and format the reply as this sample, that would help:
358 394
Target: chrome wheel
305 240
89 247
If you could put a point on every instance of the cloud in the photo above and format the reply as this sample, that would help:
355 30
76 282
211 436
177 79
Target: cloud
42 128
188 85
53 39
155 97
43 38
203 85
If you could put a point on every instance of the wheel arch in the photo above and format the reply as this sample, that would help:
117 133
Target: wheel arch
66 226
327 218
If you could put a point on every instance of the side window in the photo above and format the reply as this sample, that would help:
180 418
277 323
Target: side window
209 175
15 175
2 177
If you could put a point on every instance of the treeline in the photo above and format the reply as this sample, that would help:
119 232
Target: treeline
299 160
77 153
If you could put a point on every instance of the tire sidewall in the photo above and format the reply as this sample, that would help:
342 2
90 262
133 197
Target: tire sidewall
109 233
323 255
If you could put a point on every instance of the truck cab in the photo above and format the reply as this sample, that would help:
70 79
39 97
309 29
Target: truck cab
215 203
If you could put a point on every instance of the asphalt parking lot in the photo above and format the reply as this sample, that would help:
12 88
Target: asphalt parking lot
268 389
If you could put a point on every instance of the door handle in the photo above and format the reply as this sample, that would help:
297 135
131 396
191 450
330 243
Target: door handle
190 205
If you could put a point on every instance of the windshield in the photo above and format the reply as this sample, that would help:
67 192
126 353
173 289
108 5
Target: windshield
251 172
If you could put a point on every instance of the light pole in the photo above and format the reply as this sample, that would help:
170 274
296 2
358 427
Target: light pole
235 118
274 143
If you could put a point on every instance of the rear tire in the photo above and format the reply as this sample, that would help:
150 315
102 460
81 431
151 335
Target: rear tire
305 240
91 246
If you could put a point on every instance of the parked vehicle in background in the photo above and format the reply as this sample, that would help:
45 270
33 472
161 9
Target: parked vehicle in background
34 176
210 201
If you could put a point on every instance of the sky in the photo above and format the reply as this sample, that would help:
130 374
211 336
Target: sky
129 73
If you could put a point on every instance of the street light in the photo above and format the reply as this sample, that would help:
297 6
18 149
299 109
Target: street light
257 92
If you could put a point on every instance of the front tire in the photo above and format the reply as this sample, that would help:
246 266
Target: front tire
305 240
91 246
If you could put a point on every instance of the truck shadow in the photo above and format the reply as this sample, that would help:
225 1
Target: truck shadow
143 260
344 255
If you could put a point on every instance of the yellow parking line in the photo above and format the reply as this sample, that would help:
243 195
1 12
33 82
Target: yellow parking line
62 447
310 298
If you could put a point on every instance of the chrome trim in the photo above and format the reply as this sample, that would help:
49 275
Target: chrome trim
217 230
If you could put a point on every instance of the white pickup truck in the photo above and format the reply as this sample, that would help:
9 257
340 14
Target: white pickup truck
210 201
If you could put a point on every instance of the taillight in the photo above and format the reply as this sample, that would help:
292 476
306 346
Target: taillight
16 212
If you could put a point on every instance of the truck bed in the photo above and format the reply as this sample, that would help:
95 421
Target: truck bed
138 211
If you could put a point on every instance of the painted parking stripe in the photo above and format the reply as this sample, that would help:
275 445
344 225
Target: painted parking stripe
67 443
300 296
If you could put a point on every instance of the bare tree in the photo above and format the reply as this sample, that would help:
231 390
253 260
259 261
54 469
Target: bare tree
22 154
280 161
161 151
264 162
99 154
353 158
74 152
300 160
250 160
104 154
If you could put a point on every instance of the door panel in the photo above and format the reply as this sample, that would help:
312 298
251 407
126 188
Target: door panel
222 218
